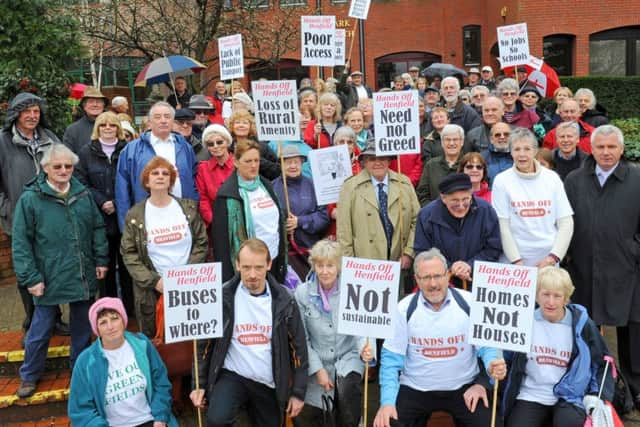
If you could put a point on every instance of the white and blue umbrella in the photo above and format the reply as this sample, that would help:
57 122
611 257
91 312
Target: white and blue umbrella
167 68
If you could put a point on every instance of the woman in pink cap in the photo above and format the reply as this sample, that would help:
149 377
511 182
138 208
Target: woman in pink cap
120 379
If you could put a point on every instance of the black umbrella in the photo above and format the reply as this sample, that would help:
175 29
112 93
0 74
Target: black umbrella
442 70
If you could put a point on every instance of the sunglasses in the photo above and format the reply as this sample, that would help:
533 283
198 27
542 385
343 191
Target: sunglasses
501 134
476 167
184 123
60 166
201 113
215 142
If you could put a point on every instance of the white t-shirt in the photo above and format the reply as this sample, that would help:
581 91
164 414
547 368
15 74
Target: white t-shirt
168 236
548 360
125 399
532 207
435 343
266 219
249 353
167 150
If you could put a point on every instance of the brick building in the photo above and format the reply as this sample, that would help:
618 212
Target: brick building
590 37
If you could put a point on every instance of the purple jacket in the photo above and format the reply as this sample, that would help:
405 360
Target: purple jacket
313 220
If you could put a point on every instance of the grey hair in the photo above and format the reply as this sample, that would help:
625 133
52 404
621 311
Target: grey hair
344 131
508 84
451 128
464 92
161 104
58 150
479 88
520 134
118 100
326 249
433 253
606 130
589 93
451 79
568 125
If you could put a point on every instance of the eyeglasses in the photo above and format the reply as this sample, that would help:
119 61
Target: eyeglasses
508 93
60 166
476 167
215 142
109 125
501 134
431 277
201 113
466 201
184 123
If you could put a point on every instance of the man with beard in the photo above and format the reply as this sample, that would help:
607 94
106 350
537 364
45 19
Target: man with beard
459 113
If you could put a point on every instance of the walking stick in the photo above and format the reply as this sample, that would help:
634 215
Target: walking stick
495 397
284 178
195 365
366 388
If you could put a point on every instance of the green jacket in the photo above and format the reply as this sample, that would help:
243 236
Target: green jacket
59 241
133 247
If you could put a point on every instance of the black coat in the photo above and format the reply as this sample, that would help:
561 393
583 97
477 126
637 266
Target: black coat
221 235
98 173
604 255
288 344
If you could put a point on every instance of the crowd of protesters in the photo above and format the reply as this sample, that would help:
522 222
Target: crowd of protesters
94 215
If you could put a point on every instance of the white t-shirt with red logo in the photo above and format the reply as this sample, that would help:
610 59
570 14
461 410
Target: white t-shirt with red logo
266 219
532 207
249 353
168 236
548 360
438 354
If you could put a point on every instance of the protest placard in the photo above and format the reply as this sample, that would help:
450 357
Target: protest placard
513 43
396 122
329 168
231 58
359 9
368 297
340 41
276 108
193 302
503 301
318 39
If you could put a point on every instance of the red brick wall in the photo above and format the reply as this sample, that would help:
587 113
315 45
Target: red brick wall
7 276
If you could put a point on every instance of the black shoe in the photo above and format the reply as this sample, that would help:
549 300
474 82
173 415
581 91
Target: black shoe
61 328
26 389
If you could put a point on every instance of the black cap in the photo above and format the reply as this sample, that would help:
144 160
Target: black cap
454 182
184 114
528 88
431 88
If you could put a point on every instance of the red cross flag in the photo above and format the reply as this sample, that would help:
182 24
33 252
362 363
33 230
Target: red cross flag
539 75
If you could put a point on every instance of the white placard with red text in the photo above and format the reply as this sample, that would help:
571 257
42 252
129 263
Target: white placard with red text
396 122
503 302
359 9
230 57
193 302
318 40
513 43
276 109
368 297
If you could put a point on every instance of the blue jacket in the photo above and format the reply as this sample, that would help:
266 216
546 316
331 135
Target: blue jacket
586 365
476 237
135 156
89 381
497 161
313 220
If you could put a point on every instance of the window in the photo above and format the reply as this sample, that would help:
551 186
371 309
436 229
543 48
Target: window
339 1
255 4
389 66
615 52
471 45
226 4
293 2
558 53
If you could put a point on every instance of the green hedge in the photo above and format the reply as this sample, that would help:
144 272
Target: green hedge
619 95
631 130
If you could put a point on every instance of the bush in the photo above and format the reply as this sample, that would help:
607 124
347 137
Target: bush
617 94
631 130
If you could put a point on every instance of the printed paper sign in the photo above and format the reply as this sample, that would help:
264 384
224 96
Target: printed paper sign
329 168
503 301
513 42
340 42
231 58
276 105
359 9
193 302
368 297
396 122
318 40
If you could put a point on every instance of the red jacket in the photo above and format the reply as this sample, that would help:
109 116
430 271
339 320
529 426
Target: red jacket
584 143
325 141
411 166
208 180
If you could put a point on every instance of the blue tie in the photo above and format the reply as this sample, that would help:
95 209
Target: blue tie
384 217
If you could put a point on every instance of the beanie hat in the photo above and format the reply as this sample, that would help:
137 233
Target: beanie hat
106 303
219 129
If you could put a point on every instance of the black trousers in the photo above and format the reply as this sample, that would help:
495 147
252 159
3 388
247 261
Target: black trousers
232 392
531 414
117 274
629 354
415 408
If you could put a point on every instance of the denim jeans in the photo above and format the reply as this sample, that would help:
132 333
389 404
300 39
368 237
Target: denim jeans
42 324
